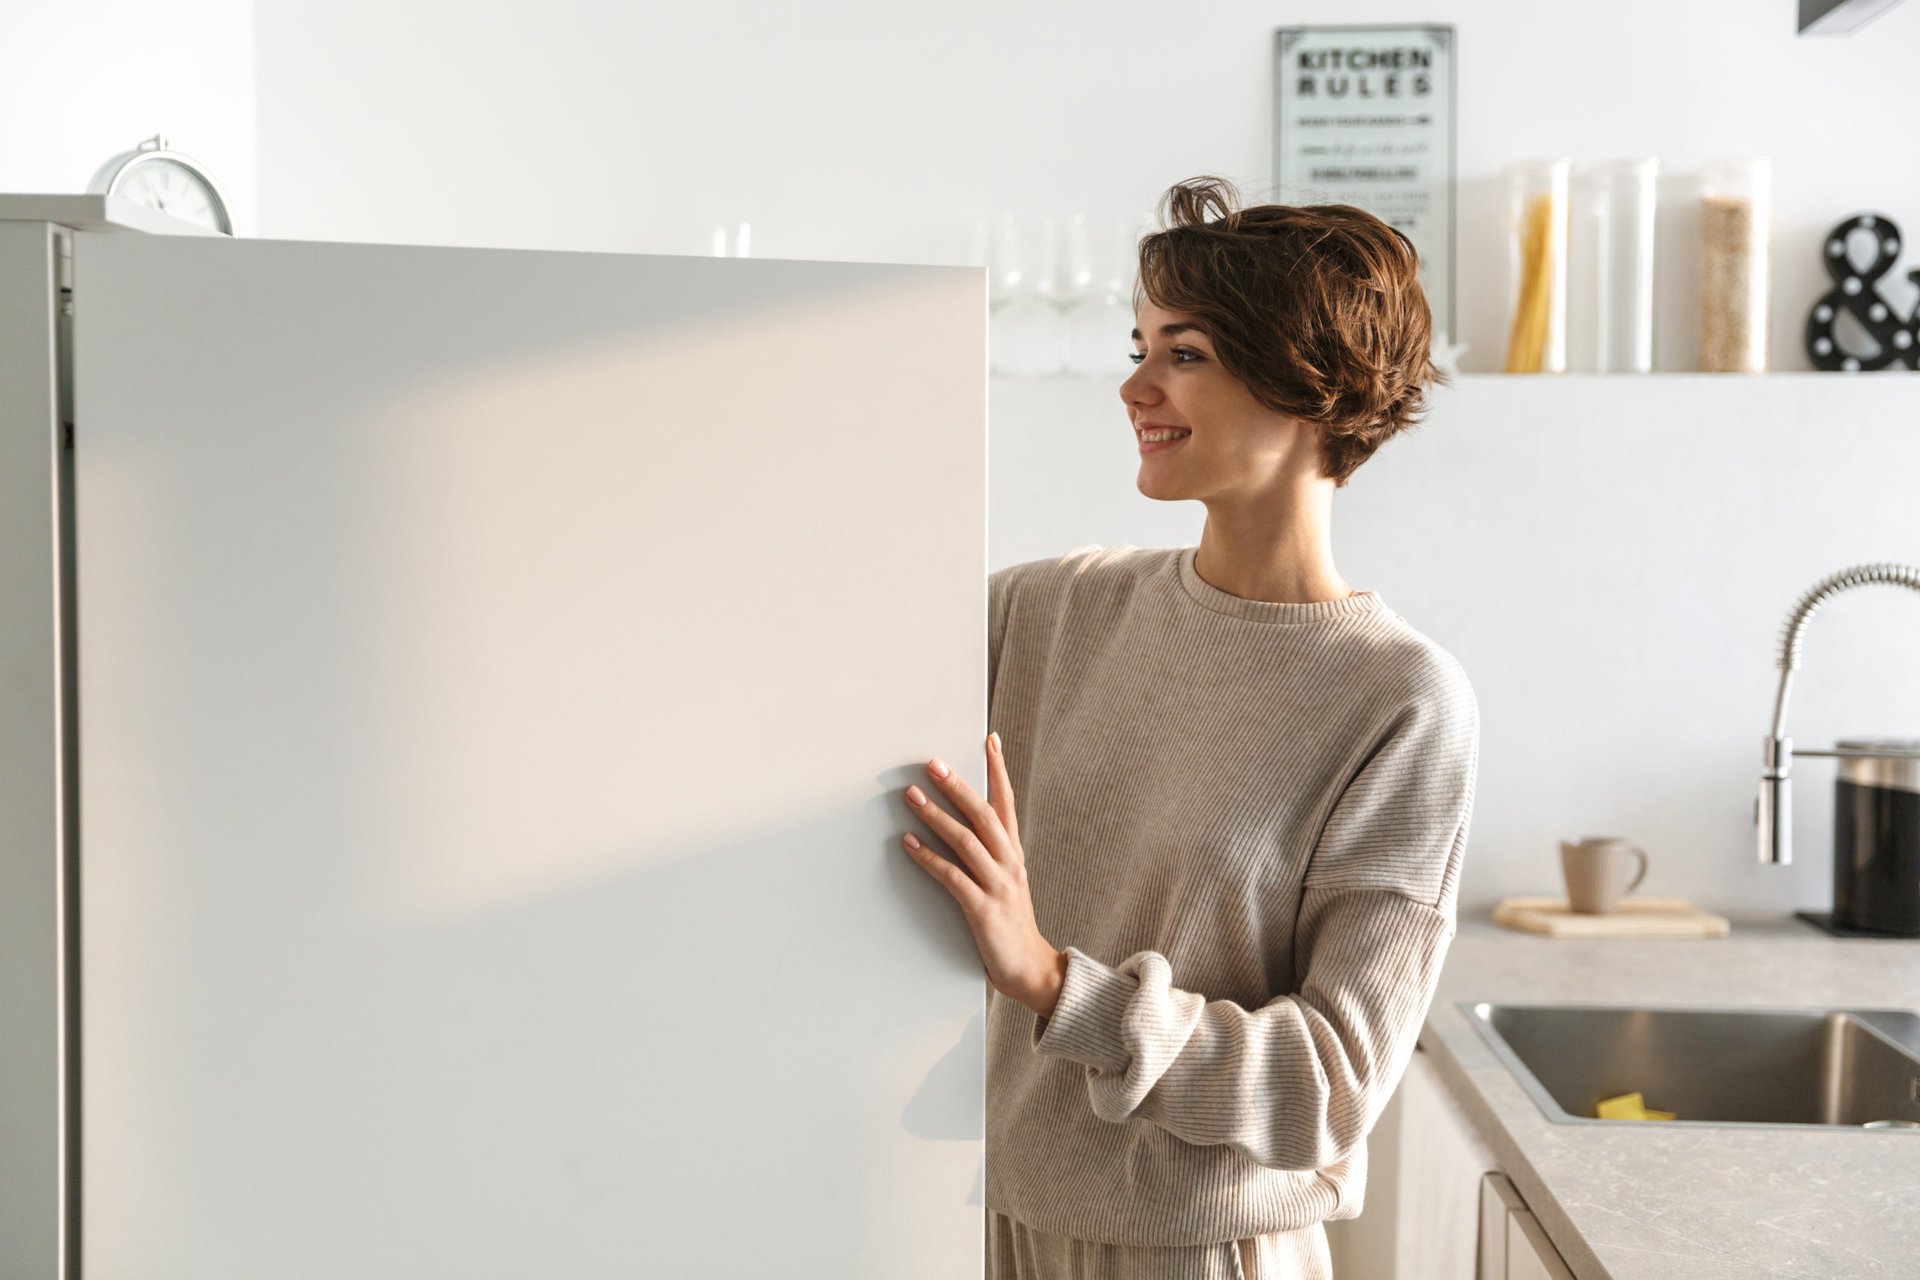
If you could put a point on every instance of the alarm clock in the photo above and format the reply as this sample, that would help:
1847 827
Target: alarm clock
167 181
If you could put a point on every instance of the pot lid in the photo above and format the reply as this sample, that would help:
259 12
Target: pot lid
1881 762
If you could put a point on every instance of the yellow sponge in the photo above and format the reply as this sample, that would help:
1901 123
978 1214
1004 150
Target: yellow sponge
1628 1106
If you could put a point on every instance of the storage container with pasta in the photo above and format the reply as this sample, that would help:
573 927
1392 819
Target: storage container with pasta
1537 266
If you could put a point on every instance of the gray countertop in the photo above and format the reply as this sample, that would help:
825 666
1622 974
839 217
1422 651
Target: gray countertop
1656 1202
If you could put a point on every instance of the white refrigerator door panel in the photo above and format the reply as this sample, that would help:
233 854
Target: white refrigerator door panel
498 674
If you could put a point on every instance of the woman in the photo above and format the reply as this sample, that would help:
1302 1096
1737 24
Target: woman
1243 787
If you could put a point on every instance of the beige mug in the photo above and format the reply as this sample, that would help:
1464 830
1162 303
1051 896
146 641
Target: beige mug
1597 870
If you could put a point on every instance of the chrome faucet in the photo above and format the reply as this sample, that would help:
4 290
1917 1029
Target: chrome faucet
1772 811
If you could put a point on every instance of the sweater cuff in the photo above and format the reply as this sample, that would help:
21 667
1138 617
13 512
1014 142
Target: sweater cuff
1085 1024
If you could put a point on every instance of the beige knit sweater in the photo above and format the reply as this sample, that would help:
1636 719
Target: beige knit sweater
1244 824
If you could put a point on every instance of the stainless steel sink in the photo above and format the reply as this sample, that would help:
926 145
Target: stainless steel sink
1717 1065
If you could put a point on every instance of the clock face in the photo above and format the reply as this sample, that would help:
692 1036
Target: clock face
173 189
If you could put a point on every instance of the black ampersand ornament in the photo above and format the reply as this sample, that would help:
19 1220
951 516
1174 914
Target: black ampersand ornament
1898 340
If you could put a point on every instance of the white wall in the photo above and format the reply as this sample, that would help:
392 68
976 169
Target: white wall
83 80
871 131
1611 559
863 129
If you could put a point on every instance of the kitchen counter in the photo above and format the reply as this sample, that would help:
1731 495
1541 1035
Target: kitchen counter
1652 1202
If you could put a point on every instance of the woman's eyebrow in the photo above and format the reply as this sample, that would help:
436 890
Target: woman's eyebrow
1168 330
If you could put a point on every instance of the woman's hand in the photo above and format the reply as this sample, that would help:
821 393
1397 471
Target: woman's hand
1020 963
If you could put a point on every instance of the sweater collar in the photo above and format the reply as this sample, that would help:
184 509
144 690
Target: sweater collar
1204 593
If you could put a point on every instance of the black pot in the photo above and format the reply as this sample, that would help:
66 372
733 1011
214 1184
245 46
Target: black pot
1876 839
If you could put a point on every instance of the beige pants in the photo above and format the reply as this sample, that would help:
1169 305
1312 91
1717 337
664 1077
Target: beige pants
1016 1251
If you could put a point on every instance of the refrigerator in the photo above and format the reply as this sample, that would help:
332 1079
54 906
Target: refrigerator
457 705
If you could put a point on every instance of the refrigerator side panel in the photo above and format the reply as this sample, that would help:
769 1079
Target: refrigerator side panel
500 673
33 973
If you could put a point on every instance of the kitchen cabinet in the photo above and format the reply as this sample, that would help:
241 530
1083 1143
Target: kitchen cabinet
1438 1206
1513 1244
1425 1162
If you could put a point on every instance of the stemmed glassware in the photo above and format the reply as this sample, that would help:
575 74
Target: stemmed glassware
1098 332
997 247
730 241
1063 279
1059 292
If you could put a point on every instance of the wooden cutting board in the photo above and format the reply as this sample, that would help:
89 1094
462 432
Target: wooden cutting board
1633 918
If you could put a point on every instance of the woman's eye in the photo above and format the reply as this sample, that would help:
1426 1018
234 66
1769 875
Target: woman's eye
1138 356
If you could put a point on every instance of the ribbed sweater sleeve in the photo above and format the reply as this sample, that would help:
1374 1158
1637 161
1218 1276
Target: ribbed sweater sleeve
997 606
1296 1083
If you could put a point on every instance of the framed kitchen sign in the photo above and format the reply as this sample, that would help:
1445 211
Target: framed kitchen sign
1363 115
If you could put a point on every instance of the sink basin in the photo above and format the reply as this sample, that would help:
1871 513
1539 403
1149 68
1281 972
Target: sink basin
1713 1065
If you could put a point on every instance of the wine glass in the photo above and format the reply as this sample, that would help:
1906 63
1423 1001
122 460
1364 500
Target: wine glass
1098 337
1064 280
729 241
997 246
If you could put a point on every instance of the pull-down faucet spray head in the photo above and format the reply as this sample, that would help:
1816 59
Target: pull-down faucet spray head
1772 808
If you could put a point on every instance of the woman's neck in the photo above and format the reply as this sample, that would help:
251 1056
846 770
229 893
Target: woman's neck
1291 564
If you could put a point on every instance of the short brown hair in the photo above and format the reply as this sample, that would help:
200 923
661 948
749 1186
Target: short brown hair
1317 308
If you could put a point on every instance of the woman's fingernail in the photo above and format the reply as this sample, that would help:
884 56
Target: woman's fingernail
993 740
939 770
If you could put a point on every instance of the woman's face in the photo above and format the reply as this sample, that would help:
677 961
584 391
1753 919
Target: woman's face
1238 448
